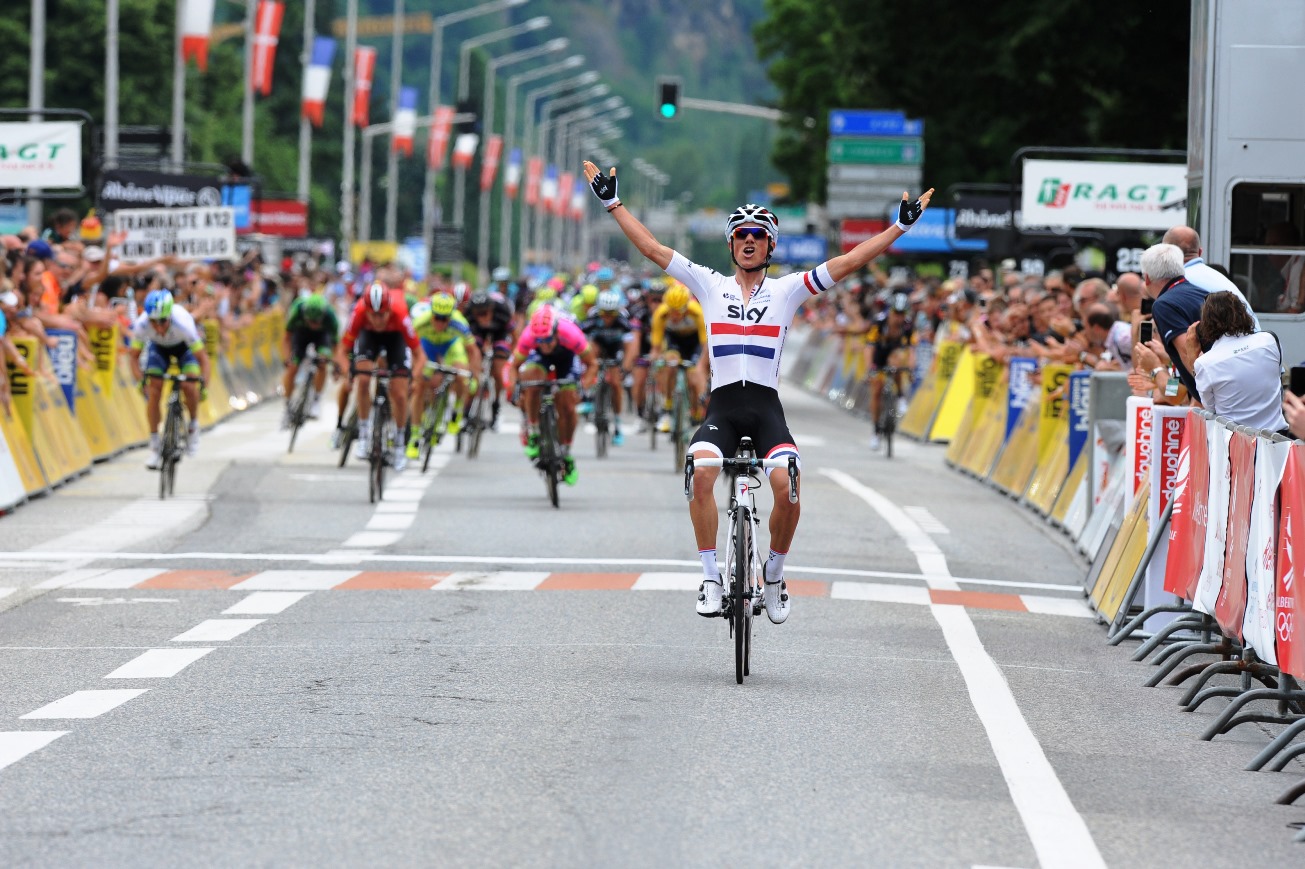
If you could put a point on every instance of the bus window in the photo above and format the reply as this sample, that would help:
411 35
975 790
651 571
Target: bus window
1268 246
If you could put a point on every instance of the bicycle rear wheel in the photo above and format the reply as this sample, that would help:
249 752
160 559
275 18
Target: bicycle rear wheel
740 602
548 458
650 410
602 417
888 415
348 436
679 427
475 423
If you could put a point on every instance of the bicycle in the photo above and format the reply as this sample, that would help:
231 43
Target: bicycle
475 423
888 396
649 409
384 433
680 410
435 417
298 409
550 460
604 417
742 600
171 446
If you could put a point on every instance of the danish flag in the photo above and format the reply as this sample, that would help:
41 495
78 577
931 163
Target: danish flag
364 64
267 30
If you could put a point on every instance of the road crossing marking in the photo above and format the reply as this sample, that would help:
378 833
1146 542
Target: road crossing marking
86 704
928 522
217 630
158 664
16 745
266 603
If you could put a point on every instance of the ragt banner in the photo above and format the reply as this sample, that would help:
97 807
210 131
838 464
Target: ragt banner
41 154
1291 565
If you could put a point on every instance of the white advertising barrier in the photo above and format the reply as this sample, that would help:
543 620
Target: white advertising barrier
1167 440
41 154
1261 552
1216 531
185 233
1109 511
12 492
1137 447
1084 193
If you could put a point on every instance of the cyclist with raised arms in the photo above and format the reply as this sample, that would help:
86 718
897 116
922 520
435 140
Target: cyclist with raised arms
748 317
169 333
380 325
616 339
551 341
310 322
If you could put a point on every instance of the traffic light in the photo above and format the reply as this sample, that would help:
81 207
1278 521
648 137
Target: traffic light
668 98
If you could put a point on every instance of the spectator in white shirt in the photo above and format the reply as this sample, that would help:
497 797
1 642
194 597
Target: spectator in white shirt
1239 376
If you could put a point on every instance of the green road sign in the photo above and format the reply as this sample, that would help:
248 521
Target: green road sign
893 151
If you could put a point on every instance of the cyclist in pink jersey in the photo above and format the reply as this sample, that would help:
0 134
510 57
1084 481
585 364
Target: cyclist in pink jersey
748 317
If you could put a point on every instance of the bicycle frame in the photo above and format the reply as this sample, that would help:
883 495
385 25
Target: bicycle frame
550 457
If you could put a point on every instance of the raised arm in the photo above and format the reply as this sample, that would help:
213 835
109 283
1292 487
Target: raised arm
860 256
604 187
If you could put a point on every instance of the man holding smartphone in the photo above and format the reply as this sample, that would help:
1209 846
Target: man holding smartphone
1176 305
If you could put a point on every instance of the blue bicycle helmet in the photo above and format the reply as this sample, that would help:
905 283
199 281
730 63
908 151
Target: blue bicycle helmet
158 305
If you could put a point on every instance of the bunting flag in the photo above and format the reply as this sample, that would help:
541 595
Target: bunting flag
405 121
489 161
464 150
563 193
267 31
196 25
364 65
317 78
534 171
437 140
578 199
548 189
512 174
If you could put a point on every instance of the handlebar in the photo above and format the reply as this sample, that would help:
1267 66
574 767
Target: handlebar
379 373
743 464
561 381
444 369
175 378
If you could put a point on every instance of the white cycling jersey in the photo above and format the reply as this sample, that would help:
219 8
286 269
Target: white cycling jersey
181 330
746 341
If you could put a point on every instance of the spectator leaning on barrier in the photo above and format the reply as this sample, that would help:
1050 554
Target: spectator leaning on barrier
1198 272
1293 409
1239 375
1177 306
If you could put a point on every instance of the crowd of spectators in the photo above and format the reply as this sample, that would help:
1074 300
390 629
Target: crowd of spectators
1180 329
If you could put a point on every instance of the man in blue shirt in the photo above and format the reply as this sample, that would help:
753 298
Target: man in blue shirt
1177 306
1198 272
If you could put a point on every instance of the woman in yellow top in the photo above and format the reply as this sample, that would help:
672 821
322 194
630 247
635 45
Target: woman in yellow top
679 331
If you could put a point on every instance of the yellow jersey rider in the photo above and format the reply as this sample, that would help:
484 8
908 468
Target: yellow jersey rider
679 332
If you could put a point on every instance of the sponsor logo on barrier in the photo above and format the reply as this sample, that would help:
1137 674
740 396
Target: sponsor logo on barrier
1142 455
1021 390
63 357
949 356
1171 442
21 387
104 349
986 374
1080 424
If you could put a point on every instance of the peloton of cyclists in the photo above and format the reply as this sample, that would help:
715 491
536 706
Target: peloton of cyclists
616 339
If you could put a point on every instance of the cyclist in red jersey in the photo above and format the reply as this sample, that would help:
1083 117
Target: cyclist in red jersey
380 324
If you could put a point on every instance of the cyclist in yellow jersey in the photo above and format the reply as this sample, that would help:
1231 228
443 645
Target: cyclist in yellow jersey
679 331
446 340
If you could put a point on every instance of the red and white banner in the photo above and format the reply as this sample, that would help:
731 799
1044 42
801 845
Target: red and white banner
1230 608
1137 446
267 32
1167 424
1216 530
317 79
1261 551
285 218
404 121
548 189
852 232
437 140
464 150
1291 567
489 161
563 193
1188 522
196 27
534 173
364 67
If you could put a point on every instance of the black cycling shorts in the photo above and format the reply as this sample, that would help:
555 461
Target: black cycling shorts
302 339
686 344
371 345
738 410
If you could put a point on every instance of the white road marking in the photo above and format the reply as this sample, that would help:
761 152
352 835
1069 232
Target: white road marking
68 577
141 520
294 580
807 440
158 664
16 745
497 581
1057 606
878 592
373 539
340 556
933 564
668 582
391 521
342 477
265 603
393 494
397 507
86 704
111 601
927 521
123 577
5 592
217 630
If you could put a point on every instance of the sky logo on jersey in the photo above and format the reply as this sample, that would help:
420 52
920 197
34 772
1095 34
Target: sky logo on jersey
738 312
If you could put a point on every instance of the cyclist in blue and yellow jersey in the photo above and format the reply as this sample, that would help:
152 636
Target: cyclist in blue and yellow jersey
890 342
615 338
748 316
679 332
446 340
310 322
167 333
583 301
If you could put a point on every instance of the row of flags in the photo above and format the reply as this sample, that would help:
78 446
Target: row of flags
546 190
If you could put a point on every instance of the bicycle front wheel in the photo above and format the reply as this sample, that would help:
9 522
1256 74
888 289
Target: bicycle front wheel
548 458
680 428
475 423
741 600
602 417
169 447
376 477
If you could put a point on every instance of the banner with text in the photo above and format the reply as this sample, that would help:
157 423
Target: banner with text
185 233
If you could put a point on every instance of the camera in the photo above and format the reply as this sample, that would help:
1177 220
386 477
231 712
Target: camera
1147 331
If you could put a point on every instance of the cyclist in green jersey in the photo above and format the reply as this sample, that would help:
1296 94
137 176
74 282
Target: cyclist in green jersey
310 322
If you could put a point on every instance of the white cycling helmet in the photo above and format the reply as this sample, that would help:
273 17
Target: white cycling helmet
609 300
756 215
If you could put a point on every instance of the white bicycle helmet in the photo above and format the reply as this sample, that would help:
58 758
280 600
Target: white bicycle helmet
609 300
753 214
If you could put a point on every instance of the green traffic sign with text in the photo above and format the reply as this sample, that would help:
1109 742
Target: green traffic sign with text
892 151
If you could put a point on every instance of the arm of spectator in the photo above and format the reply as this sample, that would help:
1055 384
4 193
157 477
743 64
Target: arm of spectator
1293 408
1188 347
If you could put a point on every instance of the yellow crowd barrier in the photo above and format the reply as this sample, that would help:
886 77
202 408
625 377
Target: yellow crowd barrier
980 454
1053 440
953 408
1019 457
1121 562
924 404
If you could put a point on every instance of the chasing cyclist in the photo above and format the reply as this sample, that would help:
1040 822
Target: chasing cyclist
890 342
553 342
445 340
748 316
679 333
169 332
616 340
380 325
310 322
490 317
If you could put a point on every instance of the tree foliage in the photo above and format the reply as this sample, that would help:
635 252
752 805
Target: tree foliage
987 78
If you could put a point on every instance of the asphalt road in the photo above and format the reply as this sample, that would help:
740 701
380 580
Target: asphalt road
267 670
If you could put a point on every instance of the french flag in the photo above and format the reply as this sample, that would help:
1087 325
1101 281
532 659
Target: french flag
364 65
196 25
405 121
267 32
548 189
317 78
534 171
464 150
512 174
578 199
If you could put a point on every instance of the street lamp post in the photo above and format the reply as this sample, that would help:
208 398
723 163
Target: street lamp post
436 59
491 69
350 86
543 140
392 158
529 221
559 134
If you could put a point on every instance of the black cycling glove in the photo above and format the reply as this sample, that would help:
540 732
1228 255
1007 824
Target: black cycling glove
908 213
605 189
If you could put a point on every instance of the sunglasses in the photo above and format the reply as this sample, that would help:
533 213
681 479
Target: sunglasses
744 232
439 317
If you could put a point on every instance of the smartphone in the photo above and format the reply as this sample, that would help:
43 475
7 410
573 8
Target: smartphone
1298 380
1146 332
1146 307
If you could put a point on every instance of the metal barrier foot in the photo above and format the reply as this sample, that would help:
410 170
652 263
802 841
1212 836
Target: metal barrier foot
1137 621
1183 654
1291 795
1230 719
1163 634
1224 667
1175 647
1281 741
1289 755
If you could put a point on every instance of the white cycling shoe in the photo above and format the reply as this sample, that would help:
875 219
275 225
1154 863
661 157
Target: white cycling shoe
709 598
774 595
362 448
155 461
192 442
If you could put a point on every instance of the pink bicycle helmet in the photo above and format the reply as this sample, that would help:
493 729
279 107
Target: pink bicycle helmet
543 325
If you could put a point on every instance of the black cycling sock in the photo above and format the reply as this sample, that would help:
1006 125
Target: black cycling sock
407 432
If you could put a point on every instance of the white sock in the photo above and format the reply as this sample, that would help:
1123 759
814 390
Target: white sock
710 569
154 440
775 566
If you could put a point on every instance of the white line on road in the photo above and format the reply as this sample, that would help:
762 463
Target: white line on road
397 507
391 521
86 704
668 582
295 580
158 664
330 478
373 539
265 603
16 745
123 577
217 630
927 521
504 581
882 593
5 592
